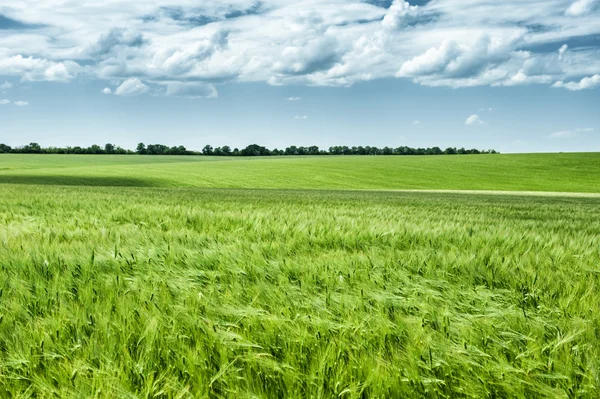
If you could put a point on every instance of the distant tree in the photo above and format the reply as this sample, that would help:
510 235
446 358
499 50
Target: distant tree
251 150
292 150
450 151
157 149
254 150
226 150
33 148
95 149
434 151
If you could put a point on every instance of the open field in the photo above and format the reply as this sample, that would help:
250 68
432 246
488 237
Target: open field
184 292
515 172
142 292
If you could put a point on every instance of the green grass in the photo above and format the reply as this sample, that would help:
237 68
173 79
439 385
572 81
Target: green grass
156 292
186 277
519 172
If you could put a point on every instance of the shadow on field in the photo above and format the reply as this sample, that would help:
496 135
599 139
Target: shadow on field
58 180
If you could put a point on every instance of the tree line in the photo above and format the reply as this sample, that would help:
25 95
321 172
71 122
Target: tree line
251 150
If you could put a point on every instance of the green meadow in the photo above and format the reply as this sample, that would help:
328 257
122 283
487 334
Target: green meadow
519 172
299 277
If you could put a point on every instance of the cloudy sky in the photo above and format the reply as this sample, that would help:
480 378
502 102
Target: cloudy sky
517 76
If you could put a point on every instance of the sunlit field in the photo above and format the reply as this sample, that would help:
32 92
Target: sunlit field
512 172
158 289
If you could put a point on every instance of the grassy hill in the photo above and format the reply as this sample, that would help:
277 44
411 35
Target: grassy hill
569 172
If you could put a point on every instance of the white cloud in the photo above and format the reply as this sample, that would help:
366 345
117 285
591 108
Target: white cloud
581 7
522 77
466 64
473 120
416 122
301 117
399 15
585 83
192 90
6 85
131 87
38 69
307 42
432 61
110 40
562 50
293 99
21 103
107 90
190 59
4 102
564 134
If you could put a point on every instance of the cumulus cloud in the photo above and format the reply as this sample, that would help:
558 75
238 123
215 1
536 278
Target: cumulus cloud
4 102
191 90
581 7
432 61
131 87
399 15
6 85
310 42
188 59
585 83
115 37
293 99
315 54
453 64
473 120
107 90
38 69
416 122
21 103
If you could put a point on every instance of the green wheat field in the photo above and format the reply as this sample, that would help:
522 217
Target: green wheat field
300 277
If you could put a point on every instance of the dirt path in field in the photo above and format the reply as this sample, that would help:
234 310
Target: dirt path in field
498 192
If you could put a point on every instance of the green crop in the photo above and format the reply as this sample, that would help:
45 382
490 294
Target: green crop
143 292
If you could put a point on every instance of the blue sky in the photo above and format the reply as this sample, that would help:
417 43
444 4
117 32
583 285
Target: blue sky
515 76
